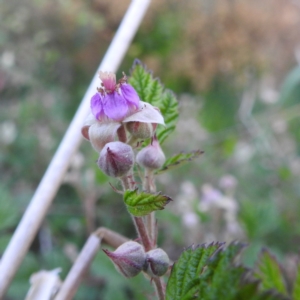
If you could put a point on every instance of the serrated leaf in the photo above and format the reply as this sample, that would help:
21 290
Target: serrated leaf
168 106
152 91
268 271
216 276
178 160
141 204
221 279
187 269
296 287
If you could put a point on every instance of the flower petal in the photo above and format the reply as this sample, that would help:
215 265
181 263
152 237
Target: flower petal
97 105
102 133
108 79
115 106
146 114
90 120
130 95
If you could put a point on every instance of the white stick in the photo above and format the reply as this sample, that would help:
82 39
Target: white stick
79 268
42 199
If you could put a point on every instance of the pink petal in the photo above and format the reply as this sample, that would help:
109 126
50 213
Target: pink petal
115 106
97 105
130 95
146 114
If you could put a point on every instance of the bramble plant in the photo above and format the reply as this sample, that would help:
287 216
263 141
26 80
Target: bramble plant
129 121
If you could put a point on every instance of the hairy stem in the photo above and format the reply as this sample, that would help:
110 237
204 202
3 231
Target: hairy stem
159 287
146 228
128 182
149 186
143 234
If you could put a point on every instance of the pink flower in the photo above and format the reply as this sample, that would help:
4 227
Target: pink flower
114 106
114 100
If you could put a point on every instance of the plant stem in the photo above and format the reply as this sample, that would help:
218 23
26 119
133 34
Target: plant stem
150 224
147 234
159 287
143 234
149 186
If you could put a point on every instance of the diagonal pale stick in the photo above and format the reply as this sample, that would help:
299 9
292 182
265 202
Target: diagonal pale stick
84 259
42 199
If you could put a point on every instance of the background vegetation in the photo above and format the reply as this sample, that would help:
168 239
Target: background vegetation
234 66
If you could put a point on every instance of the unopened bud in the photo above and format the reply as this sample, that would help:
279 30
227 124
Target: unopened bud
116 159
151 157
140 130
157 262
129 259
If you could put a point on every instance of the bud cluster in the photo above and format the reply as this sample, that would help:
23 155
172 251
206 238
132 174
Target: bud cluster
130 259
117 111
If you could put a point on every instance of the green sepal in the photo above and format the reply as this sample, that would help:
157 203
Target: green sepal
178 160
141 204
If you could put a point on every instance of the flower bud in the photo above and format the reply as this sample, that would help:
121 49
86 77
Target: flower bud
116 159
151 157
157 262
140 130
129 259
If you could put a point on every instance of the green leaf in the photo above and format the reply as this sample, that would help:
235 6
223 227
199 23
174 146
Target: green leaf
296 288
268 271
168 106
178 160
141 204
212 273
152 91
187 269
221 279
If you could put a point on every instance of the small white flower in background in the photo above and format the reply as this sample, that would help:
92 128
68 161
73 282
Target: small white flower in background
228 183
186 198
7 59
223 208
8 132
243 152
210 197
190 219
